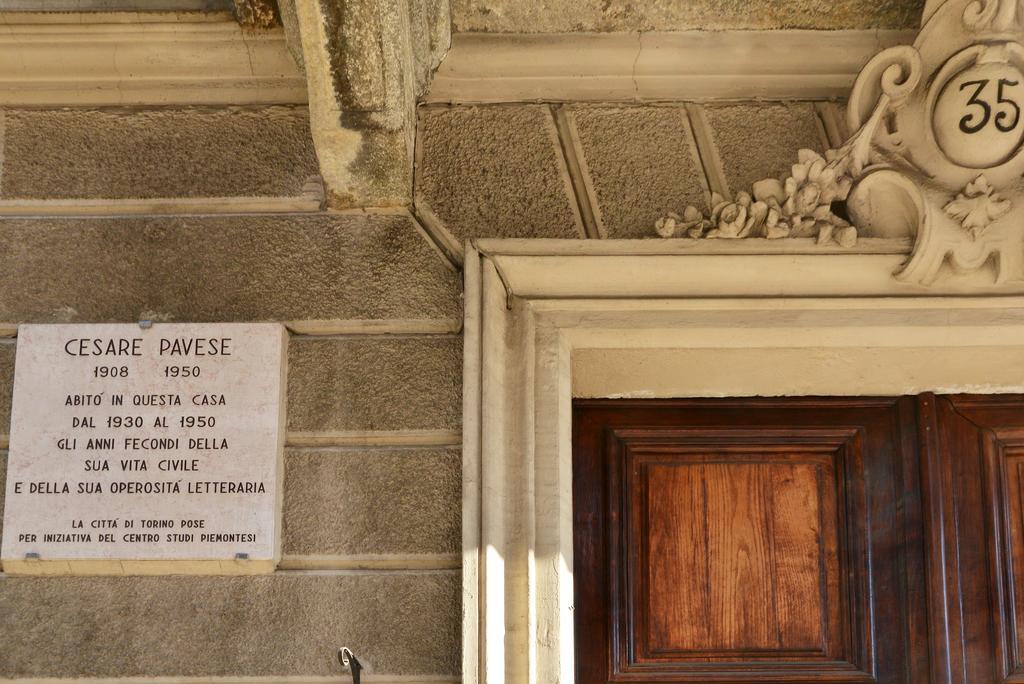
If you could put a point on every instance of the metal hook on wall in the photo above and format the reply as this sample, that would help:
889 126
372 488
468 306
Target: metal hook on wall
348 659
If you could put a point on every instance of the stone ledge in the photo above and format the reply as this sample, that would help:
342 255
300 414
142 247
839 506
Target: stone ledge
685 65
144 62
310 200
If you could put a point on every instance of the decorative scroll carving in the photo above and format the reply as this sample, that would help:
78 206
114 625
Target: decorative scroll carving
997 15
938 156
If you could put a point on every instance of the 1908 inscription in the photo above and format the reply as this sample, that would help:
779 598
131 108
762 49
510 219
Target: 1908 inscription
134 446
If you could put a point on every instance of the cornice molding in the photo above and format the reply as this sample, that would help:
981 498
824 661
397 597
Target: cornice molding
144 62
117 5
715 269
687 65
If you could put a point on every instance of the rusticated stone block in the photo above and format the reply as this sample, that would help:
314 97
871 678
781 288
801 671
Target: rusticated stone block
222 268
375 383
163 152
372 501
287 624
642 163
494 171
757 141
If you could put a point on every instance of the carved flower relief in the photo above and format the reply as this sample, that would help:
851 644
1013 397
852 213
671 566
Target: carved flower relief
727 220
692 223
799 206
977 206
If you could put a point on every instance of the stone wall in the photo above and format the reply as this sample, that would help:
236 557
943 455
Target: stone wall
599 170
371 534
167 152
372 298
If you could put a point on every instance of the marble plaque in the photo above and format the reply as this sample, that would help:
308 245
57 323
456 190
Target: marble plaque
145 450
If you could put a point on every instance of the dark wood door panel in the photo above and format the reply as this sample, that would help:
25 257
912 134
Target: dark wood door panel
1004 469
733 550
747 540
744 568
977 499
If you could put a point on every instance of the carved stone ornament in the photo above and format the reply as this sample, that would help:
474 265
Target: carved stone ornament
937 155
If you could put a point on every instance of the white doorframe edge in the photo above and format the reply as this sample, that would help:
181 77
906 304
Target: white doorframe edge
548 320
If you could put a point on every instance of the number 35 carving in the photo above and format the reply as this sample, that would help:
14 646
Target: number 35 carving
1007 117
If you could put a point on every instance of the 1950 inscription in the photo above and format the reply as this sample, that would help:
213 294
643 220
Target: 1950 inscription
133 445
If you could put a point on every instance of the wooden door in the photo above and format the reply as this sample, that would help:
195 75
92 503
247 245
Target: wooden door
753 540
974 495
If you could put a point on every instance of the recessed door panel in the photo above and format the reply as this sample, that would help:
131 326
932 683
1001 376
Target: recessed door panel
978 464
739 540
734 558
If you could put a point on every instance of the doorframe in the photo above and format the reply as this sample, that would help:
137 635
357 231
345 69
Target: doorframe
547 320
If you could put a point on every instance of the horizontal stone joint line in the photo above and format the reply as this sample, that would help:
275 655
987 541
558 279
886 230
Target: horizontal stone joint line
412 438
425 561
336 329
356 572
38 19
382 327
371 678
311 201
280 572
